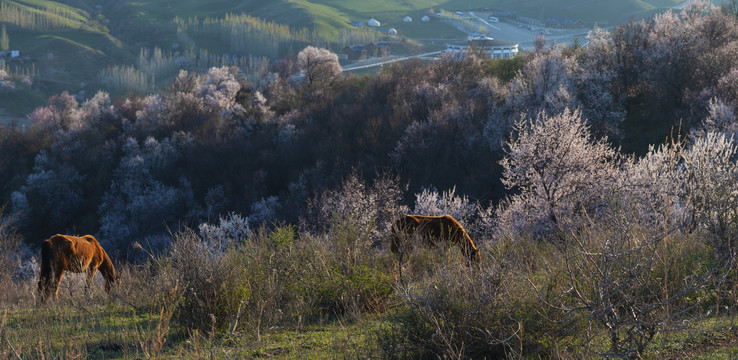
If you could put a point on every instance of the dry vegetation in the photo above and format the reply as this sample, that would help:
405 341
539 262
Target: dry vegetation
605 290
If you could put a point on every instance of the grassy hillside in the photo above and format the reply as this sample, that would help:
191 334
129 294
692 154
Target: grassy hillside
588 10
291 296
67 45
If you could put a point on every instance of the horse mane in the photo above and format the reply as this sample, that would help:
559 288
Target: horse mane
463 239
106 268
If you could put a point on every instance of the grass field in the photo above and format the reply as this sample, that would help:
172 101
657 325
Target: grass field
96 328
139 320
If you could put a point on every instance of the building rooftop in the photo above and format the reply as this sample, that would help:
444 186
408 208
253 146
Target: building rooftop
484 42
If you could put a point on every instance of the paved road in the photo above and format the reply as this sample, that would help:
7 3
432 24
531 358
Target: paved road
358 66
523 35
472 14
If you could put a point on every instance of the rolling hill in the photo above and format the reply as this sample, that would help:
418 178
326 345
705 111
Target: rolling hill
67 44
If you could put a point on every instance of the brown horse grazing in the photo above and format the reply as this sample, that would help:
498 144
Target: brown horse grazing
76 254
433 229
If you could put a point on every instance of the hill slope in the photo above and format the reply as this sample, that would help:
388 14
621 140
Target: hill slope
66 44
590 11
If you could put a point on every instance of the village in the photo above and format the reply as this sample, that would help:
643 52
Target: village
491 33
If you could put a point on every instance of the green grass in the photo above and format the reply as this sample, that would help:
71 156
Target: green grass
428 30
283 271
98 331
62 60
64 15
333 340
115 330
590 11
717 339
327 17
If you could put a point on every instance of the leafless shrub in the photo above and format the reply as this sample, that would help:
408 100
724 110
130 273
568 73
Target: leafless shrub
214 286
633 284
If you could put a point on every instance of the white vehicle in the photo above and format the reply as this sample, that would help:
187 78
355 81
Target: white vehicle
459 13
493 19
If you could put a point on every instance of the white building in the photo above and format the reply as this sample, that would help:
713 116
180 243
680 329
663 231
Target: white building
407 19
373 23
392 31
489 47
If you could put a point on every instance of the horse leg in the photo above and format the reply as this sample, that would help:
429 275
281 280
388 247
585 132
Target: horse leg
88 284
57 280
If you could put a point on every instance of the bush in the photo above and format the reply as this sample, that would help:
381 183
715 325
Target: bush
344 276
634 283
273 277
216 286
12 265
456 312
368 208
352 290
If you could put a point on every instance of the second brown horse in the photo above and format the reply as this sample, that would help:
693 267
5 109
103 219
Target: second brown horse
433 230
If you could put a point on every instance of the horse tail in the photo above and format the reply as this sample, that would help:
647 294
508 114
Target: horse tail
45 273
401 230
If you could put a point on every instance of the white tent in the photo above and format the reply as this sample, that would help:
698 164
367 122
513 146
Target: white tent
392 31
407 19
425 18
373 22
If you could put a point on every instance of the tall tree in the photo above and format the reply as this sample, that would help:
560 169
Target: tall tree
4 39
559 171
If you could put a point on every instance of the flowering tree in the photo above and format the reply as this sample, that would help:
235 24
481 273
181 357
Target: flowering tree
558 170
602 108
60 114
546 83
137 202
51 196
218 89
5 83
685 186
721 118
232 229
320 67
372 209
429 203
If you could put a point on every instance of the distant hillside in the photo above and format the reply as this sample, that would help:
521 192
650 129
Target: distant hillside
122 46
62 47
590 11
